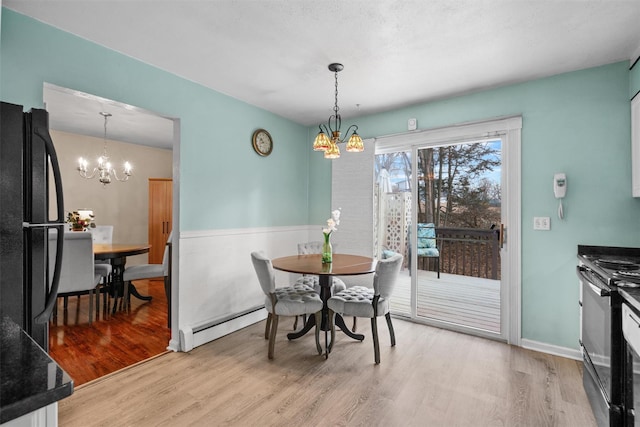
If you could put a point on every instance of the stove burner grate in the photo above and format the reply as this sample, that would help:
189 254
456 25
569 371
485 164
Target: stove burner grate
630 276
617 264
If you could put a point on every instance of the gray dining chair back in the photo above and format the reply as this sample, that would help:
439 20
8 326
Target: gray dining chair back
150 271
307 248
360 301
102 233
264 270
386 275
284 301
77 274
315 247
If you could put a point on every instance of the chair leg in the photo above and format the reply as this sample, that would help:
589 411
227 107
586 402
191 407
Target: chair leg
354 325
295 323
392 334
318 317
90 306
272 336
96 291
438 266
376 344
268 326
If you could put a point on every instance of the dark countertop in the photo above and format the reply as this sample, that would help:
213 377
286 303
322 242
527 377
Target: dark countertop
631 296
29 378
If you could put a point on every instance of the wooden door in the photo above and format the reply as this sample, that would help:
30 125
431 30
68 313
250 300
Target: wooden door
160 216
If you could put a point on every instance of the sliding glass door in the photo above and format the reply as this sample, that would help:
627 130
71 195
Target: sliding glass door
440 205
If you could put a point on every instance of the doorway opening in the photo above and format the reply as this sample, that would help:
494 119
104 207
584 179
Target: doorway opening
114 340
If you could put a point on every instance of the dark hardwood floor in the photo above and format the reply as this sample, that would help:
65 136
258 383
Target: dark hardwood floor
115 341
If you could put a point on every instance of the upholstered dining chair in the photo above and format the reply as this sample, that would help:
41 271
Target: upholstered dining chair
77 275
103 234
360 301
313 281
151 271
284 301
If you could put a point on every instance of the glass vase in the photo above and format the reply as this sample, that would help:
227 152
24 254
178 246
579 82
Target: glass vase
327 250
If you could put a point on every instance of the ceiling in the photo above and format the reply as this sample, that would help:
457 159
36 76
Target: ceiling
77 112
274 53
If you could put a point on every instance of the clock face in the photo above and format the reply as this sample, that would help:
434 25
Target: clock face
262 142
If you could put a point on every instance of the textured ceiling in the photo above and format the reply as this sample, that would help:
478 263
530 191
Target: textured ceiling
274 53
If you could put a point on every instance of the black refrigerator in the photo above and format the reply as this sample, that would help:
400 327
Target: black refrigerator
27 164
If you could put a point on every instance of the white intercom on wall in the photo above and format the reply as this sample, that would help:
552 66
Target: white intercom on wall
560 190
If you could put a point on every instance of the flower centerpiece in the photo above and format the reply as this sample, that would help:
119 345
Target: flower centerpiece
81 220
332 223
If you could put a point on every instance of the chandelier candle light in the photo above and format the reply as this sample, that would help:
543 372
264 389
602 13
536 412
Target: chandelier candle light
104 171
330 145
327 249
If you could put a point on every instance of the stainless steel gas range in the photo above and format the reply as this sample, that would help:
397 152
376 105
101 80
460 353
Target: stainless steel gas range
603 271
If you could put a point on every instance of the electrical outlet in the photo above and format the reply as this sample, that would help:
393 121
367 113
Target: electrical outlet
541 223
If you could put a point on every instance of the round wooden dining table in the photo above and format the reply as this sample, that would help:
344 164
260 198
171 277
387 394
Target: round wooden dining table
116 254
342 265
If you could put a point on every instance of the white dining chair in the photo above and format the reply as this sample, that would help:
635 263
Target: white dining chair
103 234
77 275
151 271
360 301
284 301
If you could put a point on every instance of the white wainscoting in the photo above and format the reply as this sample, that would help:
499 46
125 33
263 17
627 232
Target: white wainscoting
218 290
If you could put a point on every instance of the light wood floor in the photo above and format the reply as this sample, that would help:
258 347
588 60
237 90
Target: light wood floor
433 377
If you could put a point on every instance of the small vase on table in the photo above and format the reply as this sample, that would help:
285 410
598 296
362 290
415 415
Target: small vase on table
327 250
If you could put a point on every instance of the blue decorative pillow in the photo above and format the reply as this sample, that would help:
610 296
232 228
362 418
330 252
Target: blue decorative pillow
429 252
426 236
387 254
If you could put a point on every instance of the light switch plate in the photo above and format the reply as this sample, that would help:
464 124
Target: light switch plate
541 223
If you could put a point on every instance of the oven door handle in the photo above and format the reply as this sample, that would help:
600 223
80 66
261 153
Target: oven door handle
597 288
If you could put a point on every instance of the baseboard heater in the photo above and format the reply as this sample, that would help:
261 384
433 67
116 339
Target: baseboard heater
196 335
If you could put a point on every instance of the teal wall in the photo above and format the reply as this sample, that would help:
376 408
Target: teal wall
223 183
577 123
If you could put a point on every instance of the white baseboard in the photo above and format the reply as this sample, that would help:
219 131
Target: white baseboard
569 353
174 345
194 336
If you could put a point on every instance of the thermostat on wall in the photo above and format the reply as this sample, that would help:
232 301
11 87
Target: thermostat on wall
412 124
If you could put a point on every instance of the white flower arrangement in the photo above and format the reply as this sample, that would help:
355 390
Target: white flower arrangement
332 222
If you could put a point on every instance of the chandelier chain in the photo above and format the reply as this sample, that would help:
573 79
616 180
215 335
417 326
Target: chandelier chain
104 139
335 109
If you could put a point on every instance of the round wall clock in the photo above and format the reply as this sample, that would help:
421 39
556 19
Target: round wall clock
262 142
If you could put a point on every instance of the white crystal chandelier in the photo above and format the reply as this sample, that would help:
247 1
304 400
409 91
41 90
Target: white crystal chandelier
104 171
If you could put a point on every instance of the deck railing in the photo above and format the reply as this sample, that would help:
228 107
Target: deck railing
469 252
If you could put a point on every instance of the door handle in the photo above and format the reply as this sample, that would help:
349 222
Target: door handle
52 297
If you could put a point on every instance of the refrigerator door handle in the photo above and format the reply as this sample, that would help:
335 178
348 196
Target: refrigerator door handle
57 177
53 292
